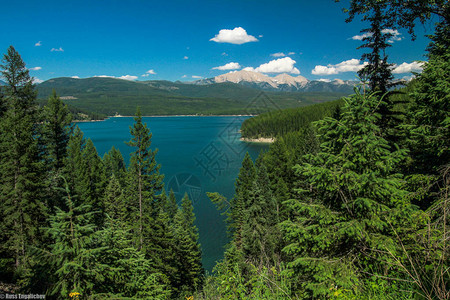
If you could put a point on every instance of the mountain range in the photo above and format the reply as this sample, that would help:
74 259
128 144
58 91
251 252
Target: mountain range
283 82
241 92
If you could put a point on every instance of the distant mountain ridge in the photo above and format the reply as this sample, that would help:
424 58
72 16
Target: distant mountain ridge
282 82
111 96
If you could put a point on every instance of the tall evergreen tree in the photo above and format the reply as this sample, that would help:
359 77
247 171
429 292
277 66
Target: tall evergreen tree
144 179
115 165
188 252
351 196
73 161
21 200
56 131
93 182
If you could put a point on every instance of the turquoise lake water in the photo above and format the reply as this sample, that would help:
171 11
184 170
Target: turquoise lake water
197 155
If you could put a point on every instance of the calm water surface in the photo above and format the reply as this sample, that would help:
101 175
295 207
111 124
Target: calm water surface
197 155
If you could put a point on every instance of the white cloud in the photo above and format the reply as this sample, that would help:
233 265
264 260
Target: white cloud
324 80
75 77
37 80
236 36
197 77
185 57
128 77
395 35
351 65
281 65
278 54
148 73
60 49
38 44
36 69
249 69
408 68
360 37
184 76
260 36
124 77
228 66
224 54
281 54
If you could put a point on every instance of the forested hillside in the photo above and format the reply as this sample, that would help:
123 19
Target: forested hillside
354 205
280 122
111 96
75 225
350 202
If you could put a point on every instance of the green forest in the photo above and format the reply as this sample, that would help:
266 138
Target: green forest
350 202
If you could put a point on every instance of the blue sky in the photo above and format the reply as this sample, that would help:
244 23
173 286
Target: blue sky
182 40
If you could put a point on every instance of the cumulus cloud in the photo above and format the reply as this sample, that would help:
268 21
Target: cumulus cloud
38 44
281 65
236 36
124 77
278 54
185 57
128 77
281 54
184 76
75 77
395 36
224 54
360 37
37 80
408 68
36 69
351 65
324 80
228 66
60 49
197 77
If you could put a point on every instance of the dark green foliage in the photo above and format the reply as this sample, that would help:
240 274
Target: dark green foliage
22 209
56 130
115 165
188 250
429 114
351 197
278 123
144 180
72 255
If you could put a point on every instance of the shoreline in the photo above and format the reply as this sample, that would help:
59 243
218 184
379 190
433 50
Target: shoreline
163 116
261 140
159 116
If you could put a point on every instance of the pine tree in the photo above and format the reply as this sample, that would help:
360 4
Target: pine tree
188 252
125 270
144 179
56 131
115 165
21 200
73 162
172 206
350 198
114 201
259 238
72 255
92 184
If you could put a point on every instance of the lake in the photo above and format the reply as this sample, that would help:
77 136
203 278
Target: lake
197 155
